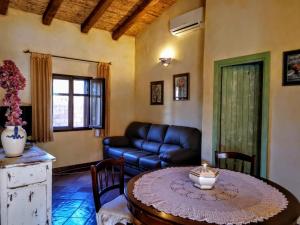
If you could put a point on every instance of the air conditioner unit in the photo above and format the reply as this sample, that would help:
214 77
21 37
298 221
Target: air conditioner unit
187 22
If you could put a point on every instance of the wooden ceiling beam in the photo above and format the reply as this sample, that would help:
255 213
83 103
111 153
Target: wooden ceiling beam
51 11
120 29
4 6
98 11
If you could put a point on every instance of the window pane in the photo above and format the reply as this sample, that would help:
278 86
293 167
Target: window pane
60 86
96 87
96 112
96 103
80 109
80 87
60 111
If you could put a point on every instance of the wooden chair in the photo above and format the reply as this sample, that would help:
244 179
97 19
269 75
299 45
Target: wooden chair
236 156
104 179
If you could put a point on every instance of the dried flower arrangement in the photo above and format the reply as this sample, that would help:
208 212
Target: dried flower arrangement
12 80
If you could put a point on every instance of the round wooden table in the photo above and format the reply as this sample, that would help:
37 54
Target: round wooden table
147 215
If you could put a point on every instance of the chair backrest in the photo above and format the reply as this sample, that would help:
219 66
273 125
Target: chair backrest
235 156
107 175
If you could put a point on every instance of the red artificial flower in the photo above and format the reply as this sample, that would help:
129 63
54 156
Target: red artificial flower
12 80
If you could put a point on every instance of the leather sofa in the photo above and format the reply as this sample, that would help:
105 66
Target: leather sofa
147 146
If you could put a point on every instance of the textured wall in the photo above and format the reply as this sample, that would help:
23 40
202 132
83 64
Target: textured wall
242 27
188 51
20 30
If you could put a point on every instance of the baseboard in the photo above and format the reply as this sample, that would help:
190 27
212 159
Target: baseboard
74 168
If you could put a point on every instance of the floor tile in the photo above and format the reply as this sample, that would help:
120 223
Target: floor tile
88 204
92 220
71 188
64 212
63 195
81 195
83 212
76 221
59 220
56 203
73 201
57 188
86 189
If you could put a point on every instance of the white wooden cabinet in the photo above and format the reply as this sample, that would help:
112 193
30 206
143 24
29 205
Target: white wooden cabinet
26 188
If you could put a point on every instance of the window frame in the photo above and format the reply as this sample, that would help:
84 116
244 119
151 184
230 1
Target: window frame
71 95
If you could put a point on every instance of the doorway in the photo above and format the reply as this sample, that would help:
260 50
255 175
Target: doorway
241 97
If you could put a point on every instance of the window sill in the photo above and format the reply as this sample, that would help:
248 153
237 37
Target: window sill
74 129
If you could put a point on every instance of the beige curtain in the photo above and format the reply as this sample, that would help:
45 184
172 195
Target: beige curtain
41 94
103 71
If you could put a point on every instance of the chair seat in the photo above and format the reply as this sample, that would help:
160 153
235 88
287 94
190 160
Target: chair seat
113 212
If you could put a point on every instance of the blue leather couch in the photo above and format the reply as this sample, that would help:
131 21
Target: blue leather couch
147 146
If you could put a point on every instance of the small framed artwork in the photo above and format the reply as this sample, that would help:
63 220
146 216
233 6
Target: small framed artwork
157 93
181 86
291 68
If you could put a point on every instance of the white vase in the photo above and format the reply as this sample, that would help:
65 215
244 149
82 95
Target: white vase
13 139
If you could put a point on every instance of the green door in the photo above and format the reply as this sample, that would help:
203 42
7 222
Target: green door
240 110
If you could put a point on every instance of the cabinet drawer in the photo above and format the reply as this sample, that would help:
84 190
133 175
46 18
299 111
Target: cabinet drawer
22 176
27 206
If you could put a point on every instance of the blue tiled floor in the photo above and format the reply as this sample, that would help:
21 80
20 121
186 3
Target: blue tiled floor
73 200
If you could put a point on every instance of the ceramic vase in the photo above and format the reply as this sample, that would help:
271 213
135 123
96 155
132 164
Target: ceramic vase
13 140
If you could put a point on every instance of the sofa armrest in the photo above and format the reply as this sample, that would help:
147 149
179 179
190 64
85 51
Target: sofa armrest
116 141
178 156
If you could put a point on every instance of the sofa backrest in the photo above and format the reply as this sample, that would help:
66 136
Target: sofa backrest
158 138
155 138
182 137
137 132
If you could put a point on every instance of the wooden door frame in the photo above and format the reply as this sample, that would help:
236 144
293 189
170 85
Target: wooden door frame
260 57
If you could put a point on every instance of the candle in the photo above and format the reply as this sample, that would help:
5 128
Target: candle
204 166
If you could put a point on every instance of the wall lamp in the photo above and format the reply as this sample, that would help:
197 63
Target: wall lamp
165 61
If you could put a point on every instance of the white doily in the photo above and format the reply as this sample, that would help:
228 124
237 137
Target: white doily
236 198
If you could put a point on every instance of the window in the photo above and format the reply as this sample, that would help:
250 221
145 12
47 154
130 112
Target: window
77 103
97 103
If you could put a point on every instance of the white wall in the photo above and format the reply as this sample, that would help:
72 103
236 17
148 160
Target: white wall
242 27
188 53
20 30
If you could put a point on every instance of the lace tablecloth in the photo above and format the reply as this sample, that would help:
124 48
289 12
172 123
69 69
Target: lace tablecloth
236 198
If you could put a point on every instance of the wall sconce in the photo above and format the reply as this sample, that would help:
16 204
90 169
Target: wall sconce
165 61
166 56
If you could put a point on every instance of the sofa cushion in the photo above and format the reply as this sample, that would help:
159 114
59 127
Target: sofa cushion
114 152
137 143
137 130
168 147
186 137
150 162
151 146
178 156
116 141
157 133
134 156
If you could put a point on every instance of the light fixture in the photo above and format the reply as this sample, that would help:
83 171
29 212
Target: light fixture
166 56
165 61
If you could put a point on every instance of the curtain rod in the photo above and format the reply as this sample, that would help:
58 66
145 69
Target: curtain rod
65 57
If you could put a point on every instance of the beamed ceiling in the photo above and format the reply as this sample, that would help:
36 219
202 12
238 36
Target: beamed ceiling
119 17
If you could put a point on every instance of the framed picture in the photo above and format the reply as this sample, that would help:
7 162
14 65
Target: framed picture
291 68
157 93
181 86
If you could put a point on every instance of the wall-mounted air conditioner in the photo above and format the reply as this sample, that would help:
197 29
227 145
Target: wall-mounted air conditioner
187 22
